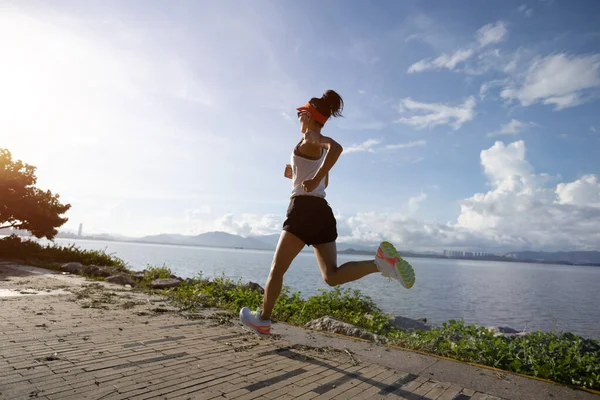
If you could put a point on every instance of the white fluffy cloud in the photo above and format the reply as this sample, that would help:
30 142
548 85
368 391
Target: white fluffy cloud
433 114
443 61
513 127
367 145
406 145
520 211
370 146
561 80
491 33
415 202
583 192
247 224
487 35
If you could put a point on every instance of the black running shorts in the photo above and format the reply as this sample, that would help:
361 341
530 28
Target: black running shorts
311 219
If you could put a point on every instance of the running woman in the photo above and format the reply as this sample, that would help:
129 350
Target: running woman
310 220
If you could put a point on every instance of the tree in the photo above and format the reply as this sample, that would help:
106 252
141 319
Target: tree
22 205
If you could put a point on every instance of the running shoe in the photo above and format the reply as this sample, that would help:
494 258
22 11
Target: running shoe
253 321
391 265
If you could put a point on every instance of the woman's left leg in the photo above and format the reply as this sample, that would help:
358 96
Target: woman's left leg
350 271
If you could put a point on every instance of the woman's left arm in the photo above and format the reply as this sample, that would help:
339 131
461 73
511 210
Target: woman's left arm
334 150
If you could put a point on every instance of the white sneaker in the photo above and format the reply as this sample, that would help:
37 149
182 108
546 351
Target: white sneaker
253 321
391 265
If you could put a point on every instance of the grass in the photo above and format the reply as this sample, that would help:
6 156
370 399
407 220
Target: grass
559 356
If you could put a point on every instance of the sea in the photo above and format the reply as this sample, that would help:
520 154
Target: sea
522 296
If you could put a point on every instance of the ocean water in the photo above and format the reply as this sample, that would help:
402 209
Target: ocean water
522 296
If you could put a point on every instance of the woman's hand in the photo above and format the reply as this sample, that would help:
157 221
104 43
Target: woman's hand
310 185
288 171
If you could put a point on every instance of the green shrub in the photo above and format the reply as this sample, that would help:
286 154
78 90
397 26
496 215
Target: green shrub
152 273
15 248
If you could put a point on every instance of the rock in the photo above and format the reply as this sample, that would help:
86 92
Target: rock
127 286
330 324
254 286
204 301
72 267
165 283
176 277
95 271
138 276
407 324
120 280
506 331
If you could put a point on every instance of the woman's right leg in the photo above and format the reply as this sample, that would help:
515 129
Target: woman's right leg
288 247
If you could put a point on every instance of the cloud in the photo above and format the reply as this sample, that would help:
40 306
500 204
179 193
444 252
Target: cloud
434 114
491 33
566 101
415 202
246 224
198 212
485 36
511 66
486 86
367 146
560 80
520 211
512 128
444 61
582 192
406 145
525 10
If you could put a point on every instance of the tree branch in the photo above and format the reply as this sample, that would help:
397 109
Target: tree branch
13 225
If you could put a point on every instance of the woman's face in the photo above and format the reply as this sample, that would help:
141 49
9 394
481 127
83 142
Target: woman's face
305 121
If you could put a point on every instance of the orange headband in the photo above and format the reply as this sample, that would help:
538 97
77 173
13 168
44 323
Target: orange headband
313 111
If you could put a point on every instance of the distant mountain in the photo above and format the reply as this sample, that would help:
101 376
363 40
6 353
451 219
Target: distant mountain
356 248
211 239
167 238
574 257
270 240
273 239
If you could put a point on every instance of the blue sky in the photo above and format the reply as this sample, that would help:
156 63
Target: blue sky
468 125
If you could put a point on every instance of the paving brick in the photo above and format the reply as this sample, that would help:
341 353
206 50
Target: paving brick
437 391
450 393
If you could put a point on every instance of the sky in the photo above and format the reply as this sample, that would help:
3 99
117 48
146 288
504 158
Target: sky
467 125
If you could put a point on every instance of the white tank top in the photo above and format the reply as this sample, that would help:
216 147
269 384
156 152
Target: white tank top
305 168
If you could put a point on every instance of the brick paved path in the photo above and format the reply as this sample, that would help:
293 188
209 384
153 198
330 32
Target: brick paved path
105 344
